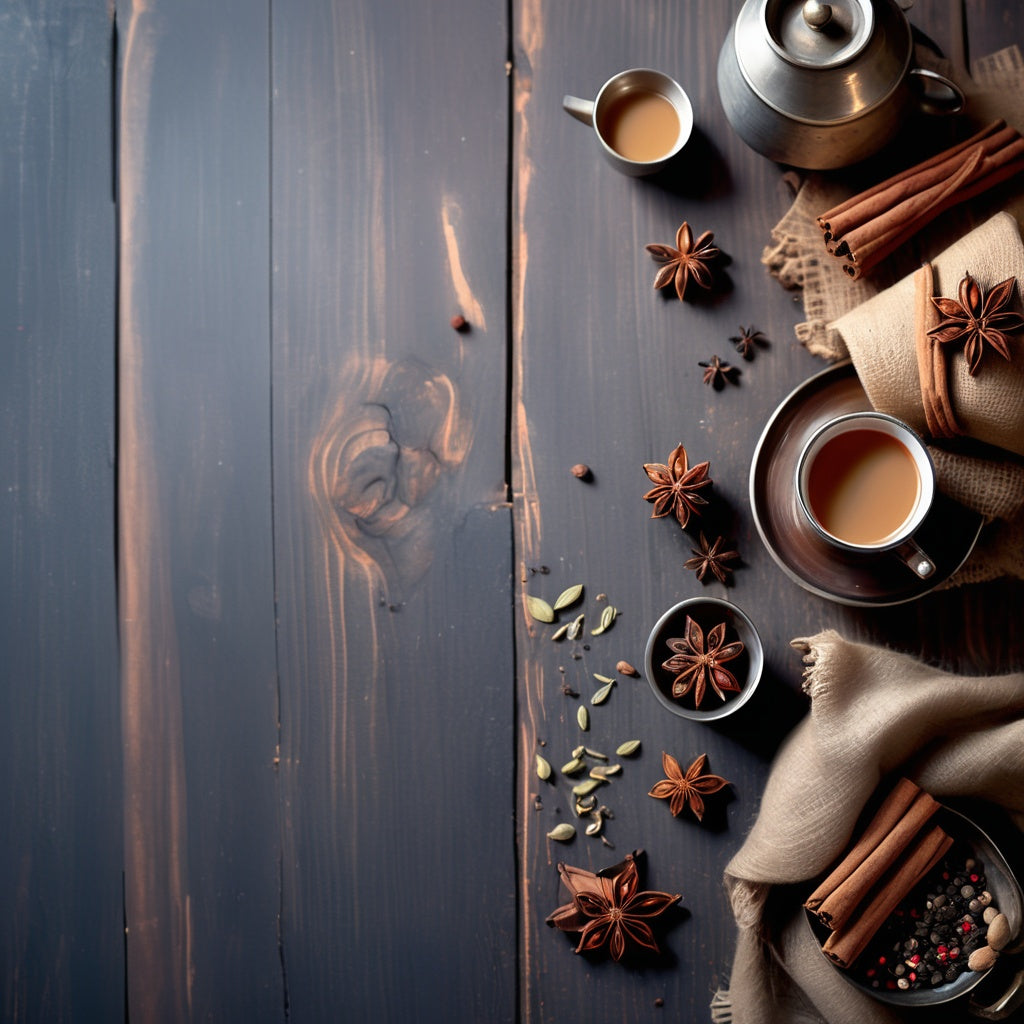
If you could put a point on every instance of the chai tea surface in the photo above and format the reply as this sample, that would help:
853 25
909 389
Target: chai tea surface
641 125
863 486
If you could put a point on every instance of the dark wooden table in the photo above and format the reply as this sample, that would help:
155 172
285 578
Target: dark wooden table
270 696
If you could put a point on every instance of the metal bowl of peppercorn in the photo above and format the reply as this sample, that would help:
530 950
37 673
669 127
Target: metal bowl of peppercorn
934 948
703 659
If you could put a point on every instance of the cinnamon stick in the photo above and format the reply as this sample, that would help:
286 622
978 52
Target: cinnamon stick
976 176
892 808
843 947
876 200
840 905
931 360
867 227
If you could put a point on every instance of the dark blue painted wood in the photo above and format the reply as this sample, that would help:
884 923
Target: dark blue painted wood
61 937
198 680
393 533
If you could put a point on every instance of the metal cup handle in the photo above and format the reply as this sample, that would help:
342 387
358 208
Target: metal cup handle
582 110
955 102
1011 1000
915 558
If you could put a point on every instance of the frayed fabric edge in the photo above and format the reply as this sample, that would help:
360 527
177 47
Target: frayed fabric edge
721 1007
811 648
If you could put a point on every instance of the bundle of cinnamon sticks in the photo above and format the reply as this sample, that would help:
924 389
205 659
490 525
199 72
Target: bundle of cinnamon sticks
899 846
867 227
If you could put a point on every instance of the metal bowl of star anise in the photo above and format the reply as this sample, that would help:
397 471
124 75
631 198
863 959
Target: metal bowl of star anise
703 659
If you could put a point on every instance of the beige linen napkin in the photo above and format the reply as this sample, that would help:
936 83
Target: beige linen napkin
874 712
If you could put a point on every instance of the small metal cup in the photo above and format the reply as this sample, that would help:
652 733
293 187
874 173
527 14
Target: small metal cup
595 112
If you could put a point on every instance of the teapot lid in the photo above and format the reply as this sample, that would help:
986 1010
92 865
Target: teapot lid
822 62
819 35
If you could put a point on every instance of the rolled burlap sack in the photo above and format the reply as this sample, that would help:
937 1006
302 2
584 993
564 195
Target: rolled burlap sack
880 337
879 334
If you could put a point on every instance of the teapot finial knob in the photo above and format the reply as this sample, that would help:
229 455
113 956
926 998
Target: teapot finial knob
816 14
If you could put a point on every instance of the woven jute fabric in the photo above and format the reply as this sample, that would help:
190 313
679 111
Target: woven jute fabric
871 321
874 714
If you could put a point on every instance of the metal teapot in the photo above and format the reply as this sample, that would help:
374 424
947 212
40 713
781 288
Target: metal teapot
823 85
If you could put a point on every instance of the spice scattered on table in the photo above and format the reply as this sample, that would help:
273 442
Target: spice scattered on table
582 472
699 662
709 558
688 263
563 833
677 486
459 323
748 341
609 910
718 373
686 789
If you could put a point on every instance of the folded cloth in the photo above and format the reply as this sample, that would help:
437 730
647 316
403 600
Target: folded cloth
873 713
879 335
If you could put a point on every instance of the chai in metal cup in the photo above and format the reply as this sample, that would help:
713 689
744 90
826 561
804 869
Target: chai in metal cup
838 440
636 83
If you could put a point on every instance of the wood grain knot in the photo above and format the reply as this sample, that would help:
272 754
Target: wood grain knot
394 435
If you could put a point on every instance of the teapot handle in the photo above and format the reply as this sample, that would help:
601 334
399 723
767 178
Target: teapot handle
952 104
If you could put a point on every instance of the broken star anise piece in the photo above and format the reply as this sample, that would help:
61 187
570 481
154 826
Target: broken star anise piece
608 910
717 373
709 559
698 666
688 788
978 320
690 261
676 486
747 342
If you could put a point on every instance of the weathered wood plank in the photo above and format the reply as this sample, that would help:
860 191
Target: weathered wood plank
61 936
393 566
198 680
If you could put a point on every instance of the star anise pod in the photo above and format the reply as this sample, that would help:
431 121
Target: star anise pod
747 341
709 559
682 789
977 320
717 373
676 486
698 665
608 909
689 261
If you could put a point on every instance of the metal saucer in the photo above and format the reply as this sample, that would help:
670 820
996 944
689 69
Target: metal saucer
948 534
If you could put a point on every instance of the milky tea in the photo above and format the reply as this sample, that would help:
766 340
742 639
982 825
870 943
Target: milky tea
640 125
863 486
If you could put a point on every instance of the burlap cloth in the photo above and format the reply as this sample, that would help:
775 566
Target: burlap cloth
871 319
873 712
